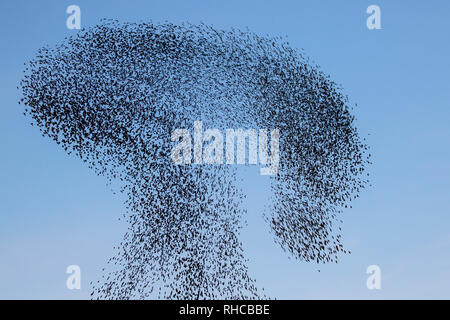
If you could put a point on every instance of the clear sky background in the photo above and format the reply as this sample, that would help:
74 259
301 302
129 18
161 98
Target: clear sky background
54 211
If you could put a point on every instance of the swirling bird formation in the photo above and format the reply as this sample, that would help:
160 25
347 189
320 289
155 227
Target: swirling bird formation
113 93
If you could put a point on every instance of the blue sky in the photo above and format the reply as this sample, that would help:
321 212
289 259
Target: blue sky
54 211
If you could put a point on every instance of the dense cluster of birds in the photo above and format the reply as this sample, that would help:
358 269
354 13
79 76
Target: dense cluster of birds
112 95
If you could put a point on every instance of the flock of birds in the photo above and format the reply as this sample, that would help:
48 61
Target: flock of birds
112 95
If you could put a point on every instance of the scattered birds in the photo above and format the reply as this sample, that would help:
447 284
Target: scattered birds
112 95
